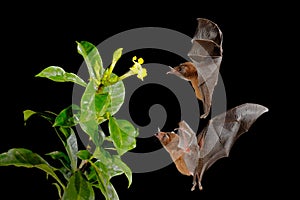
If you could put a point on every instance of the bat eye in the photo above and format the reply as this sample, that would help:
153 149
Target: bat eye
181 69
165 136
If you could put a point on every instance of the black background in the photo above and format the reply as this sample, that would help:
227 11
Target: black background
44 35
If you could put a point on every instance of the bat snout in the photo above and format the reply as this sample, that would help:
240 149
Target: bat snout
177 72
159 135
172 71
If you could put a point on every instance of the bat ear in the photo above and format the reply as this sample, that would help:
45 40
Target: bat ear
175 131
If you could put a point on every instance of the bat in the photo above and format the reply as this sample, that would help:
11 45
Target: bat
194 153
206 57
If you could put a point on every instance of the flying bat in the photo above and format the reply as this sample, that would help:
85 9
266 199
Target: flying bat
203 69
194 153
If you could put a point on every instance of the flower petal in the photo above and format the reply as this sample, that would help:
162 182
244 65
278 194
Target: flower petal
140 60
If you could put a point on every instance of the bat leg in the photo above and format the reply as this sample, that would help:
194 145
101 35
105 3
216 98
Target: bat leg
198 176
194 182
199 184
200 179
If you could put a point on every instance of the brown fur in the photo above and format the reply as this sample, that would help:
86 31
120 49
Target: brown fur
170 141
189 71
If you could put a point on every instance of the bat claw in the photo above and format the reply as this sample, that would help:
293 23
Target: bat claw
200 187
193 188
194 185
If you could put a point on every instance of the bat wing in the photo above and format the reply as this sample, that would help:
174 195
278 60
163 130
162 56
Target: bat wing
188 143
206 55
217 139
223 130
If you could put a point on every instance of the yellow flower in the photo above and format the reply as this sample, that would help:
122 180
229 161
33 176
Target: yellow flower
136 69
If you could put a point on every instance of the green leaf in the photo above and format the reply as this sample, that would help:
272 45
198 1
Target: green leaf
88 109
123 167
102 102
123 134
21 157
28 114
92 59
88 118
47 115
72 149
66 131
116 56
66 117
62 132
106 163
62 157
78 188
71 146
84 154
58 189
58 74
112 165
110 192
117 95
104 184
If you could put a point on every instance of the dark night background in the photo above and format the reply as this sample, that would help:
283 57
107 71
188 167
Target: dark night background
39 37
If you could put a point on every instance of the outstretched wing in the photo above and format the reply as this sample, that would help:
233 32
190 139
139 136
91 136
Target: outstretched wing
206 55
222 131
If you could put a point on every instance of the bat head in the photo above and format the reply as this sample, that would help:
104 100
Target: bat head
186 71
166 138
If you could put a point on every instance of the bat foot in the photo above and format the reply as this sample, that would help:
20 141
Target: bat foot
194 185
200 187
193 188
